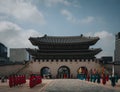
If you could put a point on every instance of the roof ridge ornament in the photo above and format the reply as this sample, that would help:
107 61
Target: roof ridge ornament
81 35
45 35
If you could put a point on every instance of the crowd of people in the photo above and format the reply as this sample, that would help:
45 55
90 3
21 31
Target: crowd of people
94 76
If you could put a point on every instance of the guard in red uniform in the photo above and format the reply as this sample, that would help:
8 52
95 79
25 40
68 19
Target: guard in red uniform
107 77
88 77
40 79
23 76
17 80
103 79
24 79
13 80
10 81
20 81
65 76
31 81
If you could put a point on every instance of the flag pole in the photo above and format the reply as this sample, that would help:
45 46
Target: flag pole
113 69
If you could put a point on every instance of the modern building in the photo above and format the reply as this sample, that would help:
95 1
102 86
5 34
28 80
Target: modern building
3 53
107 59
64 57
19 55
117 47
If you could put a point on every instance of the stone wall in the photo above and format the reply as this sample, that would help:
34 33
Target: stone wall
9 69
36 66
117 69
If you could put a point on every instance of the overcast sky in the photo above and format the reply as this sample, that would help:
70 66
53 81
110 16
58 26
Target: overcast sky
20 19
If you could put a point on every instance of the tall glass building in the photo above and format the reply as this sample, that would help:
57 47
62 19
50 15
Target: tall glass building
117 47
3 52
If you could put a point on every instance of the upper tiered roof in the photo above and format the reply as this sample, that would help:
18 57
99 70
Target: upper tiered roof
63 40
63 47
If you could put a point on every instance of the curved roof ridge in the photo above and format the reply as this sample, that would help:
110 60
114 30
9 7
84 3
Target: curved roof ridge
82 36
64 39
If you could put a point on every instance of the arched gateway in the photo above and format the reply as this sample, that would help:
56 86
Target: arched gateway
63 51
45 72
63 72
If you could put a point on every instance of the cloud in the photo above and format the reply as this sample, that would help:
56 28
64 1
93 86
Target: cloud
73 3
106 42
69 16
14 36
21 10
87 20
50 3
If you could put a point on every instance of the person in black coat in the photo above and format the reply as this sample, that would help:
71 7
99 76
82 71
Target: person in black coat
98 78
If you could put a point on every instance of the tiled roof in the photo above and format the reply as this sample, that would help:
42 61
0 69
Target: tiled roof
63 39
66 54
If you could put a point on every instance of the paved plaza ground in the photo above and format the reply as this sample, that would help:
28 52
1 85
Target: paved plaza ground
62 85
